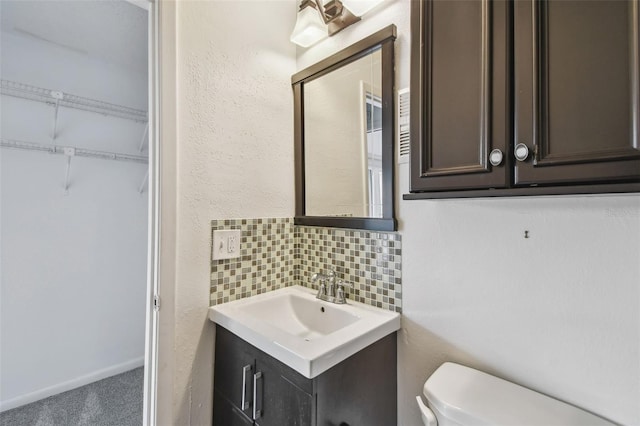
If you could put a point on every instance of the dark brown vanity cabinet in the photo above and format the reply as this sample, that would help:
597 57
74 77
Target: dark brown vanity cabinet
524 97
361 390
252 386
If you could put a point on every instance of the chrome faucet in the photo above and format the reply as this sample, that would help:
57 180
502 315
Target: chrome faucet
330 288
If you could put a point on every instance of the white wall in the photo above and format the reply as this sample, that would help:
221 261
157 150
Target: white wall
557 312
73 267
234 160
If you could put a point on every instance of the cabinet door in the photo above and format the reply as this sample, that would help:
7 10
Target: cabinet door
234 369
576 91
226 414
362 389
280 401
460 91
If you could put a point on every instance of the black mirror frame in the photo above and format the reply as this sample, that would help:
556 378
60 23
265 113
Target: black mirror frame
384 40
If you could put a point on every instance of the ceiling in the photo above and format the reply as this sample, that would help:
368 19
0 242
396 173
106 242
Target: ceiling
111 30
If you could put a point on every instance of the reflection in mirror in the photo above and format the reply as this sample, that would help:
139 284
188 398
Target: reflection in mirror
343 141
344 137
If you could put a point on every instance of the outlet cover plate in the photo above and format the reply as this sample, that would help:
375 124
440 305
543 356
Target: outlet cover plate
225 244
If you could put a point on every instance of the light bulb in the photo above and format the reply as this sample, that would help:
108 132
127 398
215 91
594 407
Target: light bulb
309 28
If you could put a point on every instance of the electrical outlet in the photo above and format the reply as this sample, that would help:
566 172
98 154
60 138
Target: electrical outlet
225 244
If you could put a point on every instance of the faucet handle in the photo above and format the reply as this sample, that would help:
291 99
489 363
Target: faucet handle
343 283
331 279
340 294
322 287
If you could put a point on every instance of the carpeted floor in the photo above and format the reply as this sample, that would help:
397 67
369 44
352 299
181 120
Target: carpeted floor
114 401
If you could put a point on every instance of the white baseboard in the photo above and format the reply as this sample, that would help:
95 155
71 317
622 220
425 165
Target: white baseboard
70 384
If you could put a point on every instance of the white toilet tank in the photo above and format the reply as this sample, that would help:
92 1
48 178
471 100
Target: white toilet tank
459 395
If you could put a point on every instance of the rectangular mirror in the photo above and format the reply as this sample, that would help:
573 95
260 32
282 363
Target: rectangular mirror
344 131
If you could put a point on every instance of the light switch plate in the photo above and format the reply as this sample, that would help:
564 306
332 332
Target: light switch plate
226 244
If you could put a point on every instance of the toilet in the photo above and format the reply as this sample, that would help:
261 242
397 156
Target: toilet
461 396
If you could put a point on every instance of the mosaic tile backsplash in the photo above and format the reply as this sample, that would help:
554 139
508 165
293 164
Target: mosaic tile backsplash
370 260
276 253
265 262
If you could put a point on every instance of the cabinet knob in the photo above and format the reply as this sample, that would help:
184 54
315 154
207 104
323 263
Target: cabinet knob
521 152
495 157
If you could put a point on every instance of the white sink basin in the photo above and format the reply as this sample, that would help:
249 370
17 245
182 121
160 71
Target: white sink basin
298 315
307 334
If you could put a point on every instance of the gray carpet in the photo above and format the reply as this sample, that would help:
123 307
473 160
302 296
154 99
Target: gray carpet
114 401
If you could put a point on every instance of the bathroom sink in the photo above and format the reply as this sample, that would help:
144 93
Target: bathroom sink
298 315
307 334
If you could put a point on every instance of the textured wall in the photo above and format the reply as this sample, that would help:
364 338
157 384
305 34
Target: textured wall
234 159
73 266
558 312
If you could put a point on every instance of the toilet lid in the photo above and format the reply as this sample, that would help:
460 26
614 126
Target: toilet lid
471 397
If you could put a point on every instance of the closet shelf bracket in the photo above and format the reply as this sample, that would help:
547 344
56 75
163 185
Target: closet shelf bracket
144 182
69 152
58 96
144 137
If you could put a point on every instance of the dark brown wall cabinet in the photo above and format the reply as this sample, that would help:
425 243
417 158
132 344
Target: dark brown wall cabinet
524 97
251 387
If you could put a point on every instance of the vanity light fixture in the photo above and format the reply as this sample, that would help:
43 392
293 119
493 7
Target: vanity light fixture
317 19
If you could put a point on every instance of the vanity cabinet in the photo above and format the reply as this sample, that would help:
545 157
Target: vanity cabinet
462 85
361 390
524 97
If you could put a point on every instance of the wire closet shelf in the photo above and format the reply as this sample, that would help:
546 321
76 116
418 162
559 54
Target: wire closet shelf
52 97
58 99
78 152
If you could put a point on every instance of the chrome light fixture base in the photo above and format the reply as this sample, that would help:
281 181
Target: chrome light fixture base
339 17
